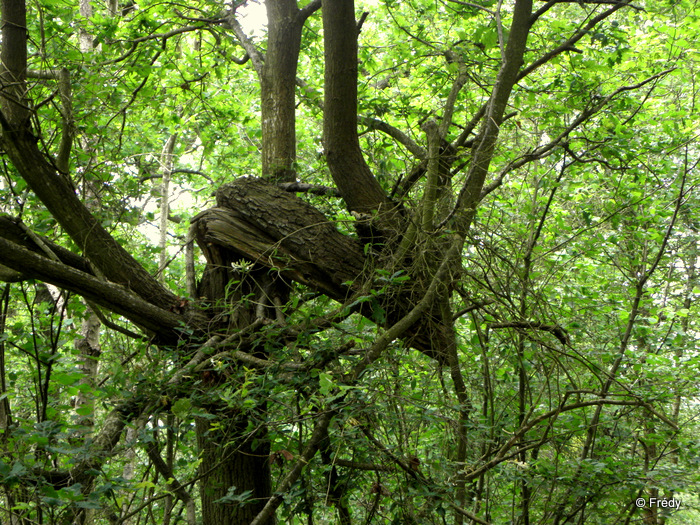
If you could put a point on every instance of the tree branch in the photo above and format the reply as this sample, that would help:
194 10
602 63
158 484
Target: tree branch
314 189
111 296
58 195
486 141
156 36
551 3
320 430
62 76
568 45
11 231
556 330
359 188
251 49
309 9
396 134
175 486
542 151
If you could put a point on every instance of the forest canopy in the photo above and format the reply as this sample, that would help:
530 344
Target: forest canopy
355 262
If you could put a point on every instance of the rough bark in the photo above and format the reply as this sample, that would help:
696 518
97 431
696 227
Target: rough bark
220 230
261 223
13 63
359 188
256 221
233 457
277 90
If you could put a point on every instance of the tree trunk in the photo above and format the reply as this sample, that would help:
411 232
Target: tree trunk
359 188
277 85
236 460
13 67
245 463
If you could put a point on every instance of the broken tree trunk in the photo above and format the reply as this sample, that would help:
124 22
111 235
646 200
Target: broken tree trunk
256 221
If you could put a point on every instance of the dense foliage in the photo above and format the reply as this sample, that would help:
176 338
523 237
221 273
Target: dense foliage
523 349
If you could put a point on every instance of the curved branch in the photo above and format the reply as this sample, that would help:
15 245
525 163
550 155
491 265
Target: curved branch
309 9
373 124
251 49
358 186
109 295
156 36
568 45
396 134
58 195
486 141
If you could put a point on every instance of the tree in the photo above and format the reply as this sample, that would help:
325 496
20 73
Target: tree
497 305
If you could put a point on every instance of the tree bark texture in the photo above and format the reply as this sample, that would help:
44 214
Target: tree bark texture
278 90
13 63
258 222
359 188
233 457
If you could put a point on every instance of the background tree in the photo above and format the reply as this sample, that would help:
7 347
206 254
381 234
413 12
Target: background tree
448 274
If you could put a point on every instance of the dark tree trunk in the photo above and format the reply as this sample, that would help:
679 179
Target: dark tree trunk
234 446
233 457
13 64
241 465
359 188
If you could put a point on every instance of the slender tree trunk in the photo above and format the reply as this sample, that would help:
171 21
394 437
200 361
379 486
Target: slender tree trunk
13 64
278 90
166 163
5 412
84 36
359 188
